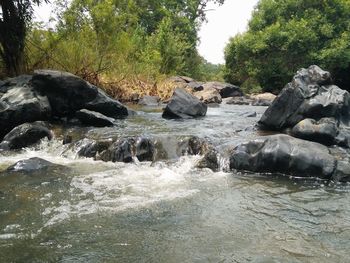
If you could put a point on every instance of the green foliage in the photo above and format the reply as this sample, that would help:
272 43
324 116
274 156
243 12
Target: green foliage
286 35
121 38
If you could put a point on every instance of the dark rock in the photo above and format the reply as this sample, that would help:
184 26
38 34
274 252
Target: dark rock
195 86
145 149
342 173
225 89
21 103
284 154
119 151
307 96
66 92
107 106
126 149
198 145
184 105
25 135
91 148
149 101
1 83
93 118
210 160
30 165
67 139
323 131
343 137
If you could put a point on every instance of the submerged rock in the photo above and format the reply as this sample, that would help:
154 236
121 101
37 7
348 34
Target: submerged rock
30 165
25 135
184 105
93 118
284 154
119 151
91 148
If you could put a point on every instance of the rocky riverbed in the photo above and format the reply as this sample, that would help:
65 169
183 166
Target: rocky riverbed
200 184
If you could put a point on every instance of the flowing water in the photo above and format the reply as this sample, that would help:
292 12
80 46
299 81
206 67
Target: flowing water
168 211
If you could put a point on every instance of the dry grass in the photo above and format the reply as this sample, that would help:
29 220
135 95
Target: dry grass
131 89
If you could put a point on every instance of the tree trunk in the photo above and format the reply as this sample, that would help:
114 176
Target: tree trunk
12 37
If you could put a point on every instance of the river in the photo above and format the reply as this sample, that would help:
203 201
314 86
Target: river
169 210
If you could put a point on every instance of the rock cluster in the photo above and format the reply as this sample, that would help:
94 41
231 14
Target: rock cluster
50 95
318 114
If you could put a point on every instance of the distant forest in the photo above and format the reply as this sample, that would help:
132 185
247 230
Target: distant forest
113 41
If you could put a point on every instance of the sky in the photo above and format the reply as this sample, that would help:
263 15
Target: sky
223 22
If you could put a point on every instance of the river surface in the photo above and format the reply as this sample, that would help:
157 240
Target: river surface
168 211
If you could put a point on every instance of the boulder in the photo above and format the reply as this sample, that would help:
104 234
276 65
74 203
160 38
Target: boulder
343 136
237 101
149 101
184 105
323 131
145 149
119 151
309 95
31 165
91 148
66 92
210 160
225 89
21 103
25 135
107 106
208 95
195 86
284 154
92 118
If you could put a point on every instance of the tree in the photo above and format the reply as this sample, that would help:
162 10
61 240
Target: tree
286 35
14 18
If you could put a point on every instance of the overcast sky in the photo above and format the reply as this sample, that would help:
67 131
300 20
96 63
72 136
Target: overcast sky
223 22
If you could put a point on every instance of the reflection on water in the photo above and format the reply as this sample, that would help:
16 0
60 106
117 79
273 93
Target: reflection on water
168 211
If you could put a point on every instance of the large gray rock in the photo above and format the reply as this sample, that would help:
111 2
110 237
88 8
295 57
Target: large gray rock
20 103
109 107
184 105
25 135
284 154
307 96
225 89
93 118
66 92
323 131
